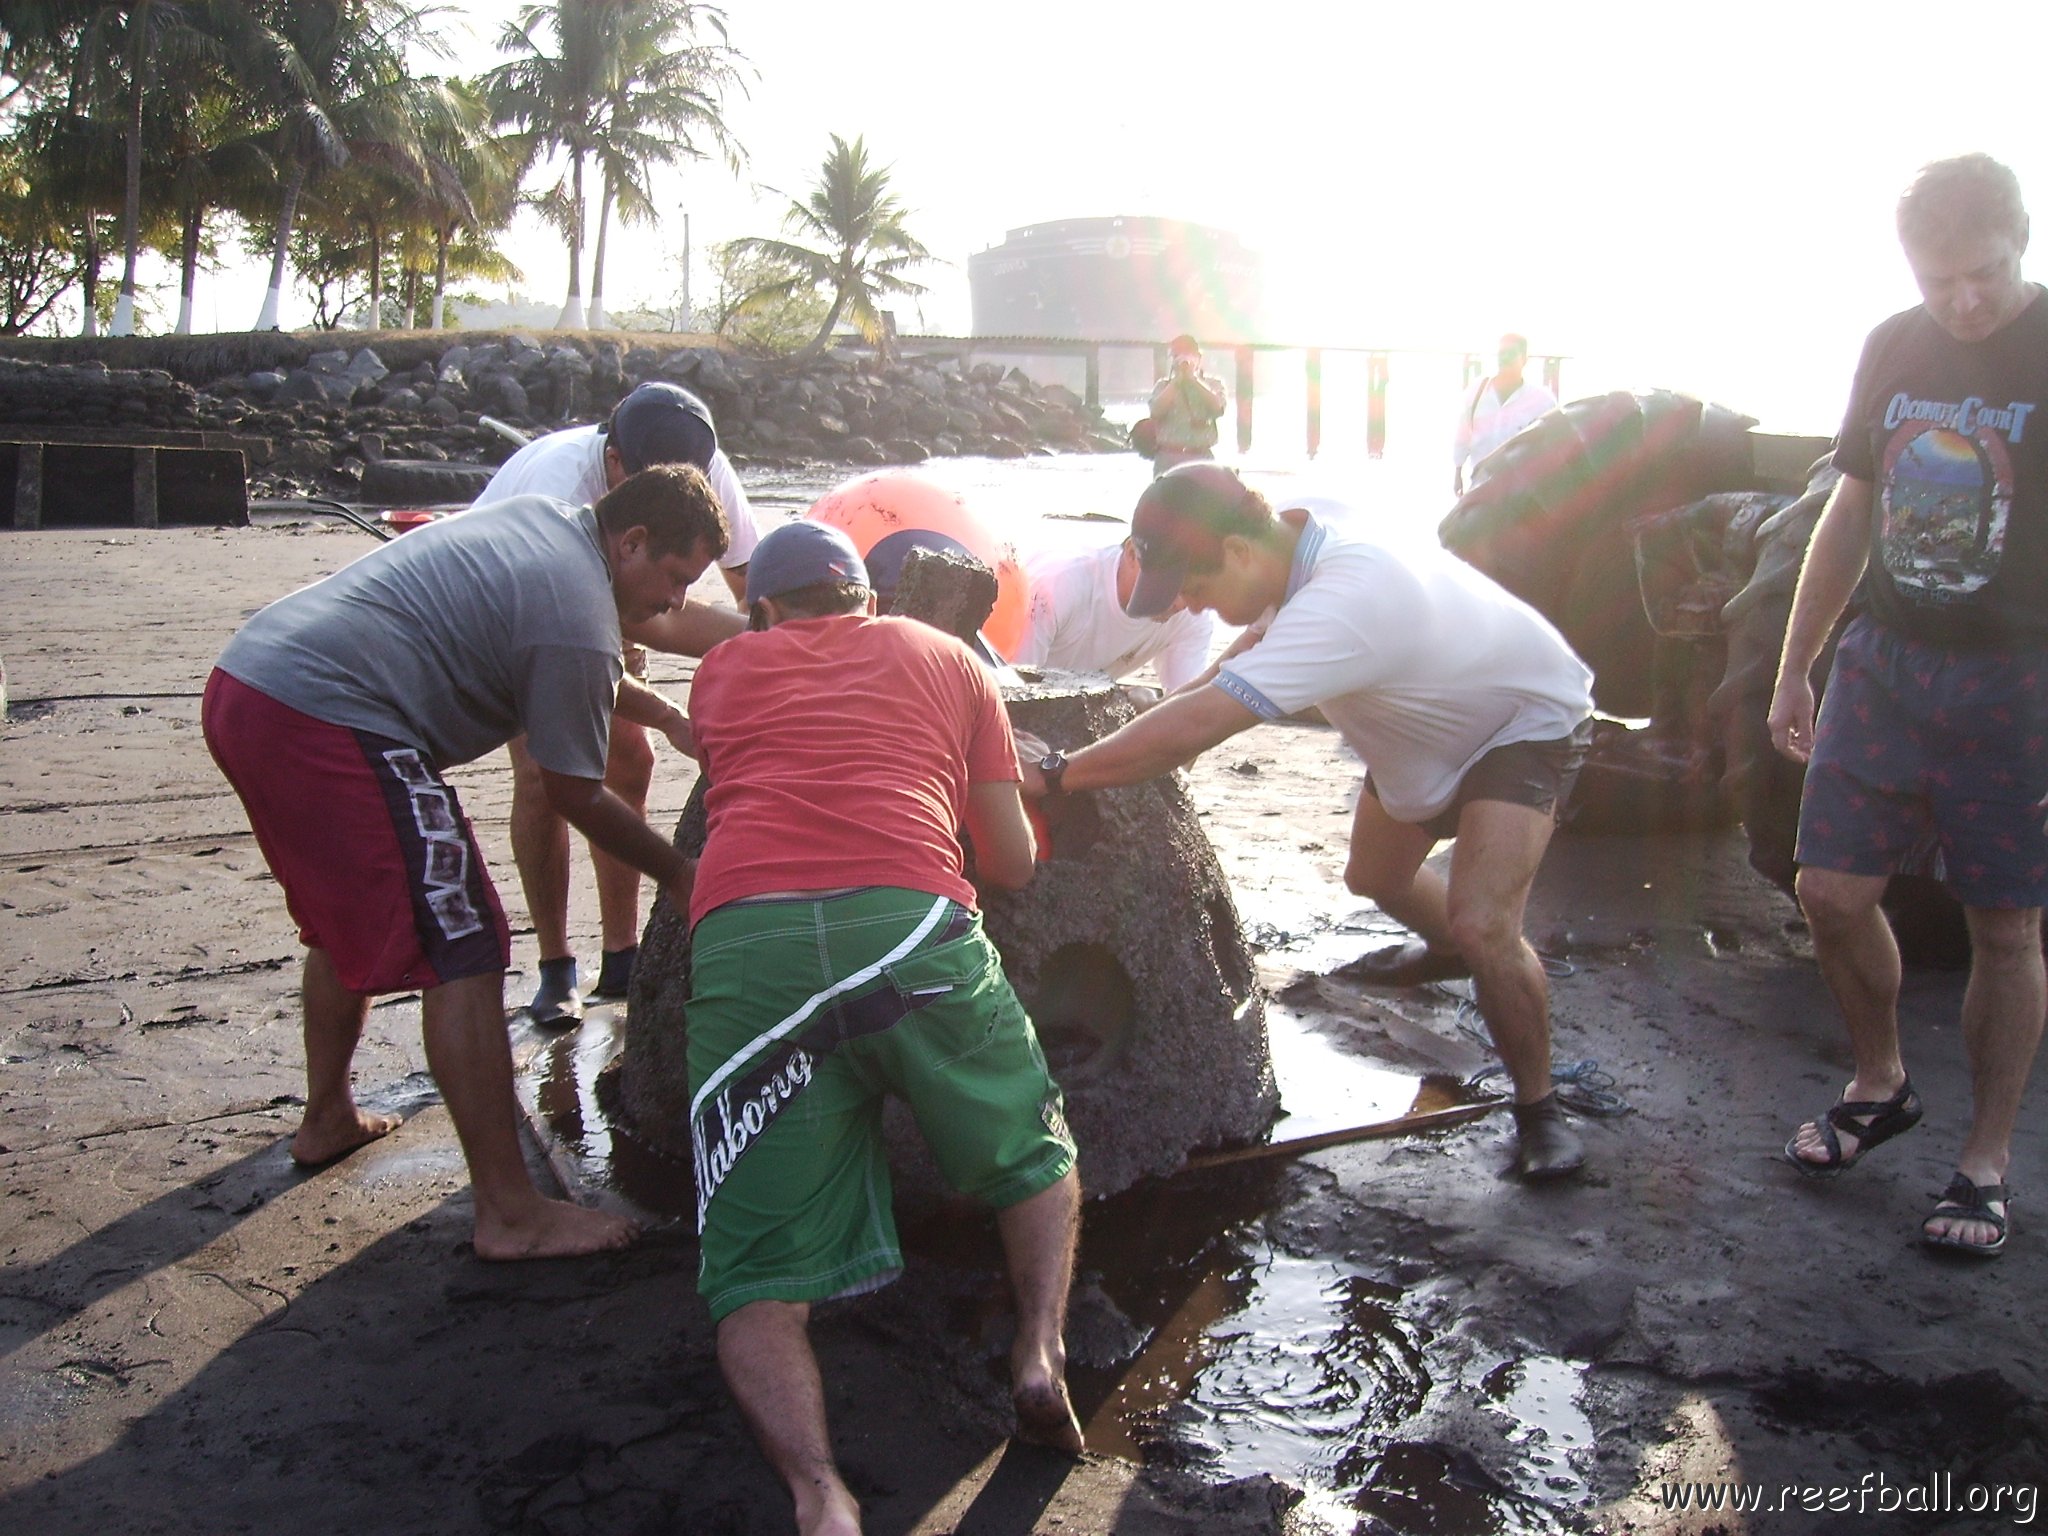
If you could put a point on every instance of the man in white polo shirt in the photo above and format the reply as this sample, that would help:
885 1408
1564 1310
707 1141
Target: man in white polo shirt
1469 708
655 423
1077 620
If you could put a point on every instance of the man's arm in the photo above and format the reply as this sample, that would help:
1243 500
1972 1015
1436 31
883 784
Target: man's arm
736 578
610 823
690 630
1835 560
1005 852
1175 732
641 705
1207 399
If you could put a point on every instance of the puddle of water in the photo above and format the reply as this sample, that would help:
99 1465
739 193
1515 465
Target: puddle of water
1255 1360
1314 1359
1540 1393
564 1085
1324 1087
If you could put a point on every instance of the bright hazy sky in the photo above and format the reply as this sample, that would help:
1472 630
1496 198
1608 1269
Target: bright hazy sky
1697 196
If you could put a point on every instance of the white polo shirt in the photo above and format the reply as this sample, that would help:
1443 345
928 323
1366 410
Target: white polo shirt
569 466
1423 664
1076 622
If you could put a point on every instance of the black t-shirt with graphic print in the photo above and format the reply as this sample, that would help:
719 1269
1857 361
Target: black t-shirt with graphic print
1953 437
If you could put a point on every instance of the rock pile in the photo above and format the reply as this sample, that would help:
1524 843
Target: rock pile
92 394
421 396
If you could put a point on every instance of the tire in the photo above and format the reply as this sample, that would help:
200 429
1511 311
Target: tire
423 482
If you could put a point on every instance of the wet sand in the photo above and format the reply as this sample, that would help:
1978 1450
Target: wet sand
196 1337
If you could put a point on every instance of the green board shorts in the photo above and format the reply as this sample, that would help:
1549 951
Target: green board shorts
803 1015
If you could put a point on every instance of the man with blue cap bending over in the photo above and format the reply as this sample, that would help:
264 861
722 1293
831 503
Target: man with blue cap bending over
654 424
1468 708
837 956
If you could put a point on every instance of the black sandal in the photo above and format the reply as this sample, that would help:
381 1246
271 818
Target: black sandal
1882 1119
1964 1201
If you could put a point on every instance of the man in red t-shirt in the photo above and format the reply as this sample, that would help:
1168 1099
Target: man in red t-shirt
837 957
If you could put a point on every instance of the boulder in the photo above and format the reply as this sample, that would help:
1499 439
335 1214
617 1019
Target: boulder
1125 948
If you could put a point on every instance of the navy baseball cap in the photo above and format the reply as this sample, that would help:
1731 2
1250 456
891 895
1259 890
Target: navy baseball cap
802 554
1179 523
662 424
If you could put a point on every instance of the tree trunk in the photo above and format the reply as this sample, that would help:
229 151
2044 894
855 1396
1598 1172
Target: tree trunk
440 276
598 321
131 196
410 295
188 266
373 313
817 342
267 320
89 277
572 312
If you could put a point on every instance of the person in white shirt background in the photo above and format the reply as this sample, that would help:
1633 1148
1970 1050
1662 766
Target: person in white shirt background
1494 410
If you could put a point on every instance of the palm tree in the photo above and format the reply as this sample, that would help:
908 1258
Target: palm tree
665 94
70 145
214 157
622 83
474 187
339 84
860 250
549 95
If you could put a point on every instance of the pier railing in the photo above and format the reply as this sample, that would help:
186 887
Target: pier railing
1378 371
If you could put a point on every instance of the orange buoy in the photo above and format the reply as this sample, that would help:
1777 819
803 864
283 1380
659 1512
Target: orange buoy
891 512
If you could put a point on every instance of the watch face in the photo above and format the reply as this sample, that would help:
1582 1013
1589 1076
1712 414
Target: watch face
1052 762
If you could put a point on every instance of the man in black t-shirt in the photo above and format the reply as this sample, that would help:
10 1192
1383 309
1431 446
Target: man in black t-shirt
1935 731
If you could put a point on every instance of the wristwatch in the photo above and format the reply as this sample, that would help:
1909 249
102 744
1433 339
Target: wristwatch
1053 767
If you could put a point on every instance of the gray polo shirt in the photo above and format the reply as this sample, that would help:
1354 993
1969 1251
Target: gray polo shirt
455 638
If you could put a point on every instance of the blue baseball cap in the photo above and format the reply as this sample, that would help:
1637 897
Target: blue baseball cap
802 554
662 424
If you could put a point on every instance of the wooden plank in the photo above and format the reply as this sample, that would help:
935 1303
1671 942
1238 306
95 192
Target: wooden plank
145 488
114 437
28 487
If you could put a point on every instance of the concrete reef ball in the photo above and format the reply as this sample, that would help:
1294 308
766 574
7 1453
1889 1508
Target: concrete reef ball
1125 948
891 512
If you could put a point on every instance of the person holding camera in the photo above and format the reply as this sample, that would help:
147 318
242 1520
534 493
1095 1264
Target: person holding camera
1185 407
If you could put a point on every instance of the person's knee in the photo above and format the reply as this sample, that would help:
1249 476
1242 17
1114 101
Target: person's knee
2005 937
1832 901
1376 881
629 765
740 1329
1484 929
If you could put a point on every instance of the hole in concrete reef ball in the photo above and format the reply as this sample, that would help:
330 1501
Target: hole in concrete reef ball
1232 962
1084 1011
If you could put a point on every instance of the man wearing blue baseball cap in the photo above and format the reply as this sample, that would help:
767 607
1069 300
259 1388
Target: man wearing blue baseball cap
838 956
1468 708
656 423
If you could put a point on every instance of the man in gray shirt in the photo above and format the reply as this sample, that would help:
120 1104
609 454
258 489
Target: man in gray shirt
333 714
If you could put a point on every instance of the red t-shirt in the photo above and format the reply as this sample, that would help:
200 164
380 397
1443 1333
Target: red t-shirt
839 752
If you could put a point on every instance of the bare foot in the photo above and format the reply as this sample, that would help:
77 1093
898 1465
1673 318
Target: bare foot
330 1139
1971 1217
826 1510
1046 1417
552 1229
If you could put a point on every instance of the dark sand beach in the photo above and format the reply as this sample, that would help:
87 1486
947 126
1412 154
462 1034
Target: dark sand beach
195 1337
